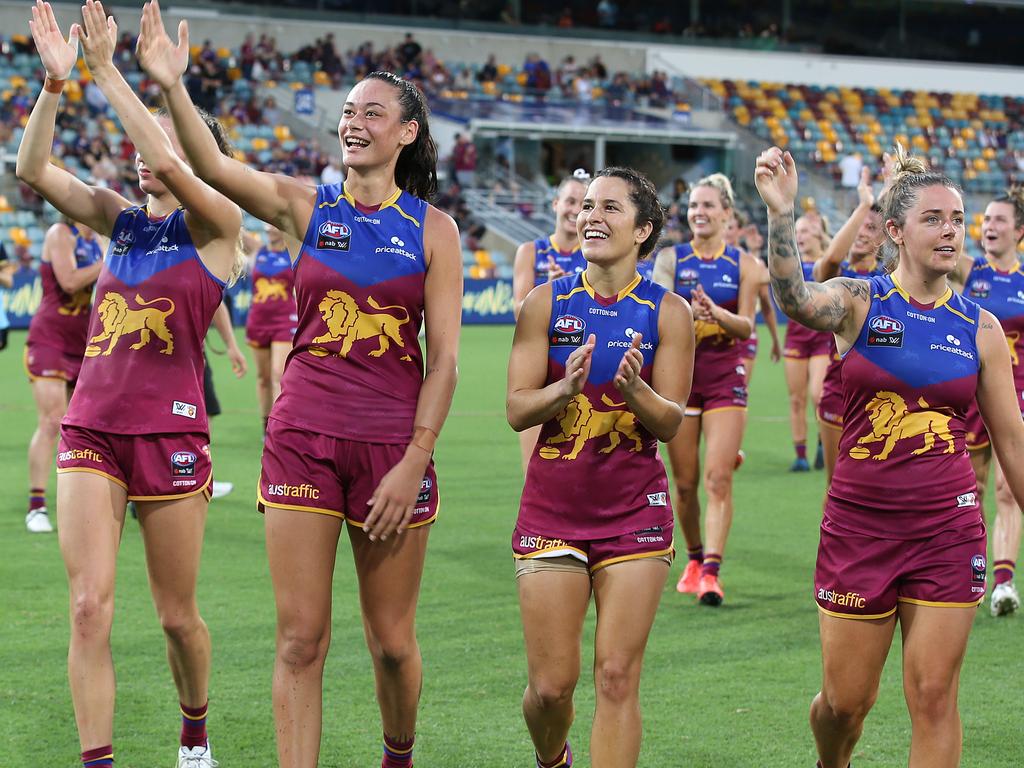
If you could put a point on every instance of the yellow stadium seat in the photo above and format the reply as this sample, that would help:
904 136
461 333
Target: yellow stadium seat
974 232
5 206
321 78
223 53
296 86
980 164
259 144
18 236
503 69
282 132
988 153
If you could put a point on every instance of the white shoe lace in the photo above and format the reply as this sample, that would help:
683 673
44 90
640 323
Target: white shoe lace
193 758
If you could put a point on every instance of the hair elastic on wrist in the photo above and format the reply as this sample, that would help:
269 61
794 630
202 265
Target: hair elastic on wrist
53 85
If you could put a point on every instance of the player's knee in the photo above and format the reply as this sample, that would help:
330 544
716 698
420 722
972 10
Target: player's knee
685 488
847 708
797 402
551 691
930 699
302 646
616 679
718 482
92 614
393 650
180 623
1004 496
49 422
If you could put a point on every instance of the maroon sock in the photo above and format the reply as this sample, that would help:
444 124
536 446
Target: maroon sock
712 563
397 754
1002 570
36 498
193 725
101 757
801 449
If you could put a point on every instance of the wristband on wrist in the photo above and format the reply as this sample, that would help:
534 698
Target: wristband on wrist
53 85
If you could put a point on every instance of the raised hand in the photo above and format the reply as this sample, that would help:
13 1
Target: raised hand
865 194
160 58
554 271
100 36
627 377
57 54
775 179
702 305
577 367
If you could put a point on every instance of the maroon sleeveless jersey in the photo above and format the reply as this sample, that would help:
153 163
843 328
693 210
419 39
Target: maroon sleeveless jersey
62 319
143 367
355 369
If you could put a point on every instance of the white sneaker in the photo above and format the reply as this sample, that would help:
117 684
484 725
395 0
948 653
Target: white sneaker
37 521
221 489
1005 599
196 757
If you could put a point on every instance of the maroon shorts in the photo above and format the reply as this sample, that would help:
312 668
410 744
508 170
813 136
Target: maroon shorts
261 336
864 577
748 347
45 362
149 467
830 406
717 385
655 541
333 476
802 343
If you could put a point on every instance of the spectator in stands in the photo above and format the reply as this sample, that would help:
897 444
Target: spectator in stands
583 86
95 100
271 112
598 69
464 161
408 51
565 20
332 174
849 168
538 74
489 71
607 14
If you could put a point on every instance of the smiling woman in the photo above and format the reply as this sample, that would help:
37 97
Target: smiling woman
351 437
916 356
601 361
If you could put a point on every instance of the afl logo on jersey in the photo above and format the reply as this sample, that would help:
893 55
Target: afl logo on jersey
885 331
688 277
333 236
979 289
122 242
567 331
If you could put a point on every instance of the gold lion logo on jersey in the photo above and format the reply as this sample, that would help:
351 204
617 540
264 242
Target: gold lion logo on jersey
77 303
269 290
347 323
891 422
702 330
119 319
1012 337
580 422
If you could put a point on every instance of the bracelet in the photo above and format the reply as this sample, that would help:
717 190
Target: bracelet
424 438
52 85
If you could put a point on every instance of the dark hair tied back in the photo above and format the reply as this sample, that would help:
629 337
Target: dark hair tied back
416 171
644 196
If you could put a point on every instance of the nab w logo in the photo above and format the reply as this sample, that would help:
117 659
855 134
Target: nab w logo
885 331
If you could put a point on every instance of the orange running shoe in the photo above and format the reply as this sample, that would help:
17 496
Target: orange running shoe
709 591
690 579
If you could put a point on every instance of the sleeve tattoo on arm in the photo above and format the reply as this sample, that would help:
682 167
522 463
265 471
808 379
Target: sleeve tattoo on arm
815 305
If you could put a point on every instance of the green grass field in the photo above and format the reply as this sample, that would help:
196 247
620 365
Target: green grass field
725 688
